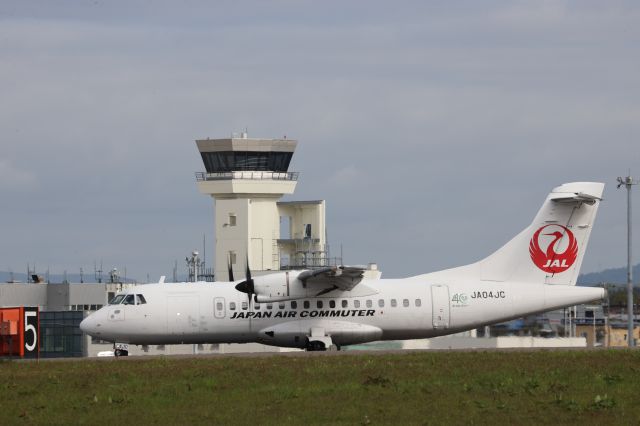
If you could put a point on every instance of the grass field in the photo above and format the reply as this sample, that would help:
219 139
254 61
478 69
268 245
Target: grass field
522 387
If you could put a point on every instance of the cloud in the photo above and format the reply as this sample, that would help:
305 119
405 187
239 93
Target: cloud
13 179
344 176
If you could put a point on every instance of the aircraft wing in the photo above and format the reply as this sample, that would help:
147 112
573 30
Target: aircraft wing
334 277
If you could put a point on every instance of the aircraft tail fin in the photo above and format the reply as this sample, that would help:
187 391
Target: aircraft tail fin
552 248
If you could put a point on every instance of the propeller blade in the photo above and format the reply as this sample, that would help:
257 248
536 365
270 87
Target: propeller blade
230 270
248 273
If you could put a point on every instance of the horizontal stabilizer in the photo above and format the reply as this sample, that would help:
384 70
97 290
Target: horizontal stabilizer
578 197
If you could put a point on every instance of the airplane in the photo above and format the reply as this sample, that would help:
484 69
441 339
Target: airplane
327 308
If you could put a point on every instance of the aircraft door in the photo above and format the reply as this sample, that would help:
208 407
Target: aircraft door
440 306
218 307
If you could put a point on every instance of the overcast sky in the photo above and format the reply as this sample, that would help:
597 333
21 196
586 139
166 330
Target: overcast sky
433 130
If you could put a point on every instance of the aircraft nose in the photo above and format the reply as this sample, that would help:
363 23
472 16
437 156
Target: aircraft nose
85 324
89 324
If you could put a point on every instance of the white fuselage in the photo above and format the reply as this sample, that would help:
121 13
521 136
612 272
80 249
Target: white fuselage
534 272
389 310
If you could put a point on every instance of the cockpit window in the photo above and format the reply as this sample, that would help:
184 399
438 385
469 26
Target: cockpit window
116 300
129 300
141 299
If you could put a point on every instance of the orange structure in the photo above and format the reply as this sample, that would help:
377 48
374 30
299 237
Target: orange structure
20 332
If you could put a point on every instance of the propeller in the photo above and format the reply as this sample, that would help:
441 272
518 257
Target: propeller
247 285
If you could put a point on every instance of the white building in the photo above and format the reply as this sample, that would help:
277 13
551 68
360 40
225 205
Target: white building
246 178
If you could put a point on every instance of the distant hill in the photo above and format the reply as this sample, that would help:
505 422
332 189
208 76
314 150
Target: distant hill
610 276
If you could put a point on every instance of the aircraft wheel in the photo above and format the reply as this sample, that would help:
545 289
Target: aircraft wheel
315 346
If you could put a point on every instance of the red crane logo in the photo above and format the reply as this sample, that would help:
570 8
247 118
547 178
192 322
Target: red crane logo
552 260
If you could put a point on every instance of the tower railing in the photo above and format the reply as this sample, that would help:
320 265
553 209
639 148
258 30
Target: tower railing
249 175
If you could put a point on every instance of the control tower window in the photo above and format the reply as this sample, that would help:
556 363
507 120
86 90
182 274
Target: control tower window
232 219
231 161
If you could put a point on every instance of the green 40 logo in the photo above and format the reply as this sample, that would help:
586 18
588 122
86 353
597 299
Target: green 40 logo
459 298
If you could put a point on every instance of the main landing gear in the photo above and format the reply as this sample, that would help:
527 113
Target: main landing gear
317 345
319 341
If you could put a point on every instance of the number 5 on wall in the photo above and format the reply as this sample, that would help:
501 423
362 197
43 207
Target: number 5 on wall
30 332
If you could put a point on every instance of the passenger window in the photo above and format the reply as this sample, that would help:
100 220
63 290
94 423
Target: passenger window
369 303
141 299
345 304
256 306
245 306
269 305
405 303
418 302
381 303
319 304
281 305
394 303
294 305
219 306
232 306
128 300
306 304
356 303
332 304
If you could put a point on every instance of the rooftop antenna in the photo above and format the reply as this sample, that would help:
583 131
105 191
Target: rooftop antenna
30 273
97 272
628 182
81 275
193 264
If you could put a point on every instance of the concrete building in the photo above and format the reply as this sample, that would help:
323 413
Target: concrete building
607 335
246 178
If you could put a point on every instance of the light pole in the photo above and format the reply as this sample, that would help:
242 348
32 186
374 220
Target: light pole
628 182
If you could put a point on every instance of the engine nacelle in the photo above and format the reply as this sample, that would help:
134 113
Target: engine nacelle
281 286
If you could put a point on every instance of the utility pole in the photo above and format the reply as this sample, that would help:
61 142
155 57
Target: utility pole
628 182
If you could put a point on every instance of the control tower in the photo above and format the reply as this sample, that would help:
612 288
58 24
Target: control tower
246 177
